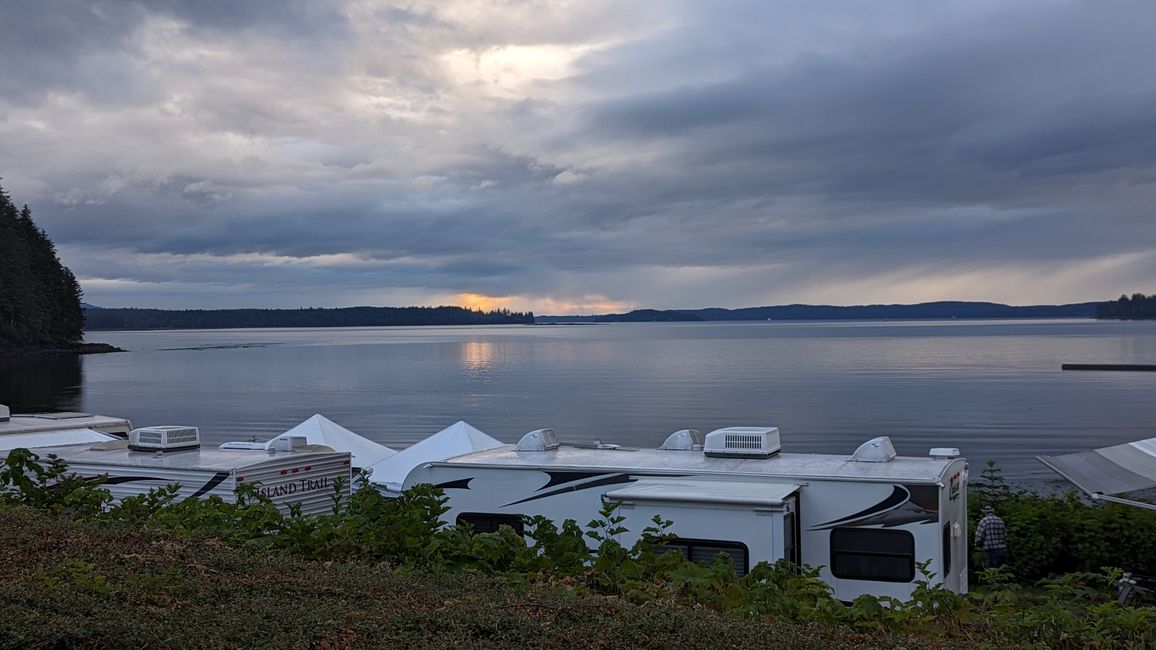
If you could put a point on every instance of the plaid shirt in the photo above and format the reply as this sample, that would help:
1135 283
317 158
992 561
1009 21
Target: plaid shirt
991 533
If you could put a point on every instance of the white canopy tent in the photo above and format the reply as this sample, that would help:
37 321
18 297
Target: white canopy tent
320 430
457 439
1110 470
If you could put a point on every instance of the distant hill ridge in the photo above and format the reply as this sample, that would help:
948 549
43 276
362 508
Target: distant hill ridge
920 311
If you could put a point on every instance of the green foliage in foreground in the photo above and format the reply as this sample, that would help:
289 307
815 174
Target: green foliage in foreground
85 584
404 537
1050 536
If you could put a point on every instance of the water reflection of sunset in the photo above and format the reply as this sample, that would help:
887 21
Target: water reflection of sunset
477 356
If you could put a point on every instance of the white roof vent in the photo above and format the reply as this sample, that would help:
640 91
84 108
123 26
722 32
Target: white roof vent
538 440
875 450
287 443
944 452
5 413
742 442
683 440
166 438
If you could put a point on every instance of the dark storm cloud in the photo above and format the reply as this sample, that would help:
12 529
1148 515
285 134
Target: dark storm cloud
93 46
661 154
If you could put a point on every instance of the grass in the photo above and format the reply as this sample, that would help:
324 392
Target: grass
91 585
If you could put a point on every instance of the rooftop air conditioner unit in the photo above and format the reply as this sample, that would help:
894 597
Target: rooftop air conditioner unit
742 442
166 438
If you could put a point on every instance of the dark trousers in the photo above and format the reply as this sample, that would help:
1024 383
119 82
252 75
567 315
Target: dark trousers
995 557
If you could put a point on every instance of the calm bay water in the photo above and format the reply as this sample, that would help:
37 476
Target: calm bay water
993 389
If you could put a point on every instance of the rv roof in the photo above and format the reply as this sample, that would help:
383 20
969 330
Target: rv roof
33 422
204 458
53 438
825 466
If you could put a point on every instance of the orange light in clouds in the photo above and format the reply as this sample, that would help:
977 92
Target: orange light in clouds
591 304
482 302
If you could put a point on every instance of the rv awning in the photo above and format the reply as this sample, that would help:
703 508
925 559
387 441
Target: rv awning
739 493
1111 470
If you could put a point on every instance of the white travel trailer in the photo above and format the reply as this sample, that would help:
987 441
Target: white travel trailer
294 474
51 429
867 519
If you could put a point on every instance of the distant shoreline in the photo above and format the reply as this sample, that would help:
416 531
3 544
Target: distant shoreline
45 349
943 310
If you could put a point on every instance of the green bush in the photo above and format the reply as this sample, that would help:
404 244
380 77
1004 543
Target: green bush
406 536
1049 536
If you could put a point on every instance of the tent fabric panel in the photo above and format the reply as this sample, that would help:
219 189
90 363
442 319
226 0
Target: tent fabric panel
320 430
455 440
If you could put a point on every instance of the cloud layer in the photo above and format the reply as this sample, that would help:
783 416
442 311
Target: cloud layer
585 156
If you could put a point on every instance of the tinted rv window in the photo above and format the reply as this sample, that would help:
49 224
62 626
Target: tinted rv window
872 554
946 549
485 522
703 551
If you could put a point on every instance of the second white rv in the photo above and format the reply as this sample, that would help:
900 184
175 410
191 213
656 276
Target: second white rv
867 519
293 475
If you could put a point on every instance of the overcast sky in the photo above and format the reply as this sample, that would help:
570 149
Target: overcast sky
585 156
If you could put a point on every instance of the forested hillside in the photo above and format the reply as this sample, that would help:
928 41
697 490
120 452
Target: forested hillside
921 311
39 297
1138 307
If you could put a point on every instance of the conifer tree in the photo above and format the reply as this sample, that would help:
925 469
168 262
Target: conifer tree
39 297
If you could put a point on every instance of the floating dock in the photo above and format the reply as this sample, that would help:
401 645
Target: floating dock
1130 367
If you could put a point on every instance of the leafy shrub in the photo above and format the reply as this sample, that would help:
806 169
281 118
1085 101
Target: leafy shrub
24 479
406 536
1049 536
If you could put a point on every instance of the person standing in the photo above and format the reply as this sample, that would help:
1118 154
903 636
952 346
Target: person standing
991 536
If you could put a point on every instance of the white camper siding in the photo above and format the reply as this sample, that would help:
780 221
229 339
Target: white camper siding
747 514
898 501
125 482
306 480
287 478
953 522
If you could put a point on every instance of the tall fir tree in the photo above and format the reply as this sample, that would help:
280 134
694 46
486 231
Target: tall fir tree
39 297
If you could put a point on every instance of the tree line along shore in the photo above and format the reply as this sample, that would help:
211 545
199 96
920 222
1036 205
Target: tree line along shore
41 308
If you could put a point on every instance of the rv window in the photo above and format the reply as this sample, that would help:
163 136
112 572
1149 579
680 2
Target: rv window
873 554
790 551
703 551
485 522
946 550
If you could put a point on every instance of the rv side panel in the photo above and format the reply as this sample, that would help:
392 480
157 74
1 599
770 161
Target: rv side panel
124 481
313 482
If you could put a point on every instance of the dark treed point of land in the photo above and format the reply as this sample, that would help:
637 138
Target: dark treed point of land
40 307
145 319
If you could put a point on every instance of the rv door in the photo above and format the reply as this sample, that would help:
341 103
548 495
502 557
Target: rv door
791 530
